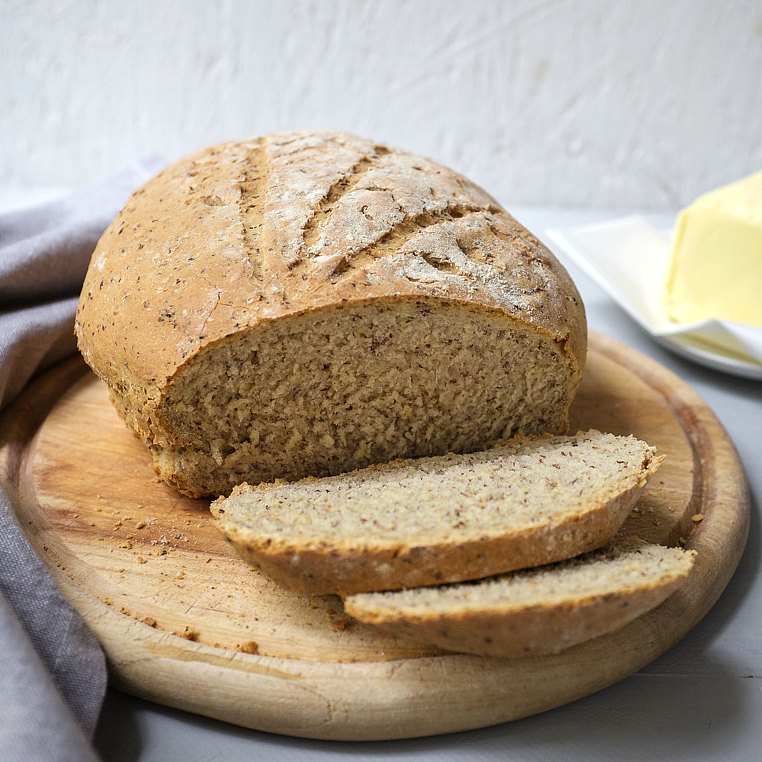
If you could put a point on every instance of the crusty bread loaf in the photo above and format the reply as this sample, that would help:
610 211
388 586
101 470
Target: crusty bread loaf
440 519
310 303
537 611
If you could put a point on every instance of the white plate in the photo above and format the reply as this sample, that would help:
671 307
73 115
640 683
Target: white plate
628 258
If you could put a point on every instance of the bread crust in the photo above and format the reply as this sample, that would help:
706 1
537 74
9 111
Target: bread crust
264 229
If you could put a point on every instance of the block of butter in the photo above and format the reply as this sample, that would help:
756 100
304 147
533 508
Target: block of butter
716 263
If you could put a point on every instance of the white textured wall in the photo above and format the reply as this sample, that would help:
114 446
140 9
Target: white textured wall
586 102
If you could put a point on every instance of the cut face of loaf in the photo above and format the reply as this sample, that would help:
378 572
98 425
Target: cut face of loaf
332 391
537 611
444 519
309 303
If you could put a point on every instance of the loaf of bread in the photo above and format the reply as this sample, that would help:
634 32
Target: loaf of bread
537 611
440 519
309 303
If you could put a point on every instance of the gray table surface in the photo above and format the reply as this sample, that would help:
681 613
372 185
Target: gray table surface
700 701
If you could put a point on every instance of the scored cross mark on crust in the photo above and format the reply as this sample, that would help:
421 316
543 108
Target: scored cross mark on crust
369 212
252 204
394 240
314 229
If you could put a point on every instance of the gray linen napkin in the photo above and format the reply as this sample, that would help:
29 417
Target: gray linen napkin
53 672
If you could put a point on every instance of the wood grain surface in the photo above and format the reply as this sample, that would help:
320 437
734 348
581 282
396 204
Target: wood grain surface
186 623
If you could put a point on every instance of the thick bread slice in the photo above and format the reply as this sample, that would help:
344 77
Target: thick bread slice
308 303
442 519
536 611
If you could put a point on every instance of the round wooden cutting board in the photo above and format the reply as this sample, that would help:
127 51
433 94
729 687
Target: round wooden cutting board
185 623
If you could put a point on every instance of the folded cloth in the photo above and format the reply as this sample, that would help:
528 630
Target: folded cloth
53 677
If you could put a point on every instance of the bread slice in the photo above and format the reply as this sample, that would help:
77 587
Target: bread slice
536 611
442 519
